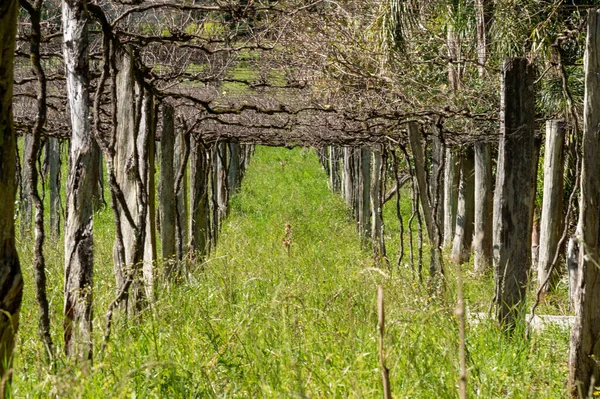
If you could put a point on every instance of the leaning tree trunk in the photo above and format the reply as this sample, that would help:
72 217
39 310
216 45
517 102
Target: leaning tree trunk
515 190
584 370
79 249
552 203
11 282
484 199
463 236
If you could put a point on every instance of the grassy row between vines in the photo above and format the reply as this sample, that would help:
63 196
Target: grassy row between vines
255 321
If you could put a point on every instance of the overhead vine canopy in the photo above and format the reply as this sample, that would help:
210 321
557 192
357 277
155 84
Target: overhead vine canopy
313 72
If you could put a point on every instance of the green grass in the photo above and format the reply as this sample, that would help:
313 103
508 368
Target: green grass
258 322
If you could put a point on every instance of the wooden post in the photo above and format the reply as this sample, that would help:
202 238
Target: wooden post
484 199
364 211
463 236
25 211
168 211
79 242
552 201
11 281
146 162
181 195
199 211
347 176
585 335
233 172
436 184
54 159
515 189
377 236
451 176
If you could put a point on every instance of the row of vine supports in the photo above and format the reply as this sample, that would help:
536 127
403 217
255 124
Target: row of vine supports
196 182
458 204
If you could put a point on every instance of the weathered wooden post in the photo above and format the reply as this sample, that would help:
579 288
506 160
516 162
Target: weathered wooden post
436 183
377 236
25 208
54 157
364 210
181 194
484 199
451 176
414 137
11 281
233 172
347 176
168 211
199 206
552 202
79 242
463 235
584 371
334 169
146 162
515 189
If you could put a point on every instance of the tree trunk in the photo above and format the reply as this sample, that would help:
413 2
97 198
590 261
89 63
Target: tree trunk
79 249
484 195
168 212
11 282
451 176
515 190
463 236
552 202
585 335
54 159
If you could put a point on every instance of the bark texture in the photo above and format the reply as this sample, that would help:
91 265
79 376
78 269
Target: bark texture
463 236
585 335
168 212
552 202
484 199
199 201
79 250
53 149
11 281
451 176
515 189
